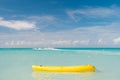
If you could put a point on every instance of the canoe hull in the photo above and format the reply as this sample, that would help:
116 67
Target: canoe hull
83 68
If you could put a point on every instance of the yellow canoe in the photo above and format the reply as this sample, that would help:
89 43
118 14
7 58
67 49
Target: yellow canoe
82 68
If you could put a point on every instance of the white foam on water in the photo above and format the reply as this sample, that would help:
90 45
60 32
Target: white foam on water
99 52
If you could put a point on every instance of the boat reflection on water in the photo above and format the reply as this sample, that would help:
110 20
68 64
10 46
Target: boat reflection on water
62 75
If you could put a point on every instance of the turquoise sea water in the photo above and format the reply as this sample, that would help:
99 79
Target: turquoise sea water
15 63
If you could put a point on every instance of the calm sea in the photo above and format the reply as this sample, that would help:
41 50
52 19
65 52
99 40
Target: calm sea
15 63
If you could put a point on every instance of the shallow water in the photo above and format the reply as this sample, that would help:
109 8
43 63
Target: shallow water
15 64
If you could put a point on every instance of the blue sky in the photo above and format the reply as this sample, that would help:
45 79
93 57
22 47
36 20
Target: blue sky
59 23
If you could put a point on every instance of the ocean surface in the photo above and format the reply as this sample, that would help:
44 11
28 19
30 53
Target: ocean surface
16 63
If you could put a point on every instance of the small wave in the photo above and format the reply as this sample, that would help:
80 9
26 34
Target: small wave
98 52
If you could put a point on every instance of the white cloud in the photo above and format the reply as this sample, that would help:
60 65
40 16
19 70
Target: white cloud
80 37
112 28
100 41
46 43
43 22
116 40
70 42
96 12
6 10
42 18
62 42
17 24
